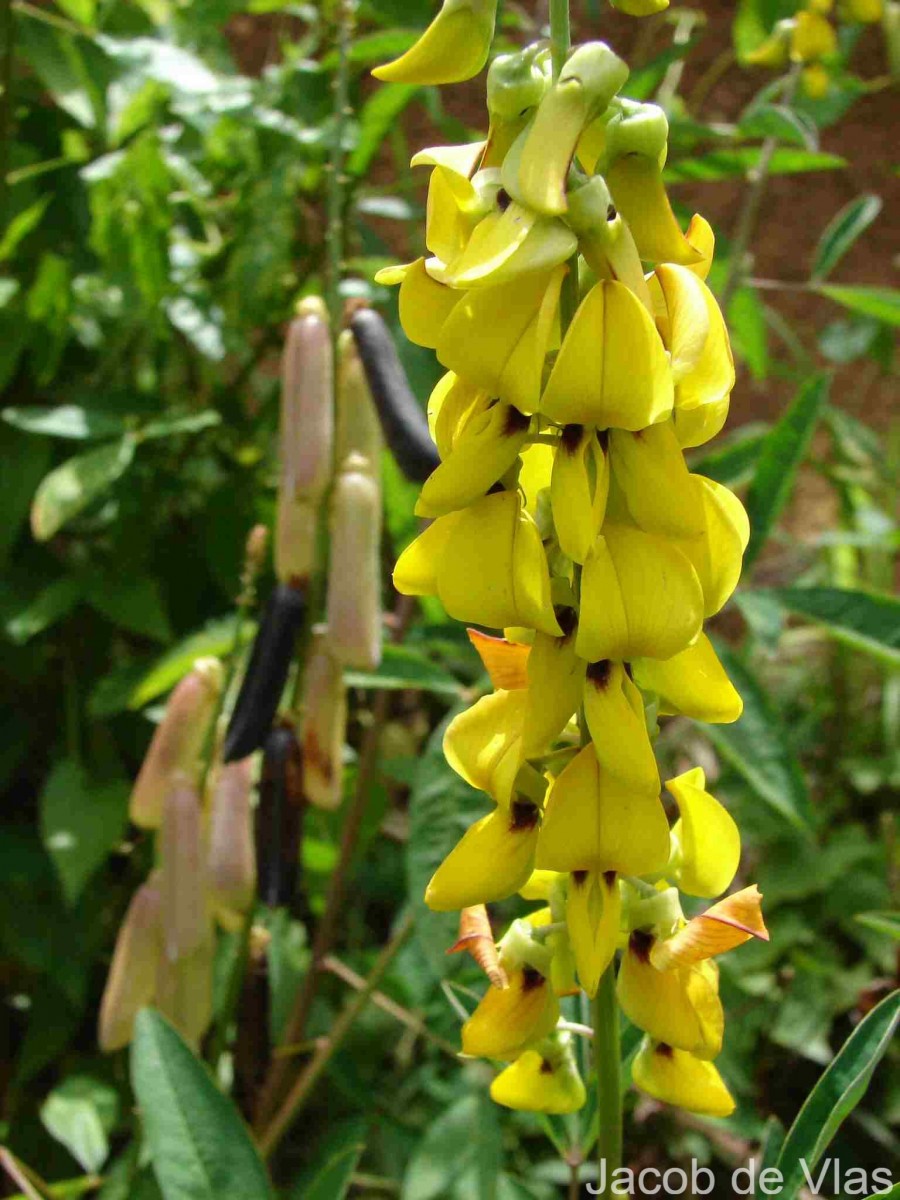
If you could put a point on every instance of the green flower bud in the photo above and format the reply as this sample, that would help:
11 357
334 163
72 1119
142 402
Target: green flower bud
517 82
636 129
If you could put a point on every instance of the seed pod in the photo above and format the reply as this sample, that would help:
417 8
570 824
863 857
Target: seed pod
279 817
178 740
296 538
358 426
354 567
232 858
404 423
185 921
131 982
266 673
307 414
324 725
184 990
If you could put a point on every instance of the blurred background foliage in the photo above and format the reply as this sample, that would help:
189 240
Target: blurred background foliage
162 174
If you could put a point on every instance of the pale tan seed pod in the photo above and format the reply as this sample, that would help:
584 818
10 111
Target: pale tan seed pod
307 403
354 567
178 740
183 881
184 990
232 857
131 982
358 428
296 537
324 724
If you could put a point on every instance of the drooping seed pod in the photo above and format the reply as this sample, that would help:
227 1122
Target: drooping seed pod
178 740
296 539
324 724
232 857
131 982
266 673
307 403
358 429
279 817
354 567
183 890
184 990
404 423
477 939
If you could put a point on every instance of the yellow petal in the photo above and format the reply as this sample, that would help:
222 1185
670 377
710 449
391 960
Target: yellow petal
539 885
535 1083
453 48
424 304
416 571
640 8
703 240
815 81
772 51
463 160
711 377
555 675
676 1077
615 718
579 487
452 404
594 381
506 245
716 555
510 313
593 822
728 924
593 907
523 375
507 1020
640 597
493 570
691 684
486 450
451 213
493 860
635 182
535 473
650 469
812 38
483 743
686 316
709 838
505 662
696 426
680 1007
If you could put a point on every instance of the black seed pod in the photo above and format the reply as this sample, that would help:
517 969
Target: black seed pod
404 423
279 818
267 670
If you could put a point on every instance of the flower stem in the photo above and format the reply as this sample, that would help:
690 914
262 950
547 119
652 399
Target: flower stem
560 42
607 1060
334 198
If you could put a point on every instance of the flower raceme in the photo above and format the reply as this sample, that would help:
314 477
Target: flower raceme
564 517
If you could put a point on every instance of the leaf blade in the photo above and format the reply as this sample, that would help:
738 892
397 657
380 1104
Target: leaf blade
867 621
842 231
75 484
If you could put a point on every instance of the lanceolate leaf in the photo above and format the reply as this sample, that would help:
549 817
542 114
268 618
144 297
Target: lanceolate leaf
881 303
70 488
782 453
756 747
837 1093
336 1162
853 220
199 1146
734 460
865 620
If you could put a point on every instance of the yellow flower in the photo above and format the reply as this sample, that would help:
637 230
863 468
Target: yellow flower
641 597
677 1077
508 1019
716 555
696 337
812 38
579 486
486 564
593 908
728 924
649 467
815 81
493 859
691 684
555 677
708 837
544 1080
594 381
506 662
483 744
680 1006
615 717
453 48
635 183
594 822
866 12
640 8
516 84
424 303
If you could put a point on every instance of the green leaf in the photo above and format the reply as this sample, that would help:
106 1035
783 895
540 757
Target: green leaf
782 453
756 746
59 63
215 638
21 225
81 823
199 1146
779 121
131 603
749 334
188 423
734 458
892 1194
70 488
887 923
65 421
842 231
881 303
378 116
463 1143
49 606
727 164
79 1114
23 463
837 1093
341 1154
865 620
405 667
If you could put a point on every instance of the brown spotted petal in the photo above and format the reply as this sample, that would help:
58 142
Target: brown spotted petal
728 924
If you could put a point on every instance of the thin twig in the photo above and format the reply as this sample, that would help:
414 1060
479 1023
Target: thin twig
6 67
327 1047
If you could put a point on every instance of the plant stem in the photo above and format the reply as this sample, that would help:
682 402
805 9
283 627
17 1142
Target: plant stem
608 1062
334 192
750 210
560 42
299 1093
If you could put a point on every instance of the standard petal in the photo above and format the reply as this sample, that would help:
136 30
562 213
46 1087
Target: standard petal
493 860
696 426
691 684
686 323
424 304
593 907
676 1077
709 838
